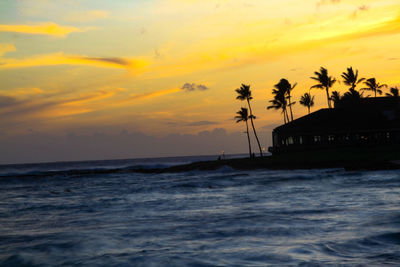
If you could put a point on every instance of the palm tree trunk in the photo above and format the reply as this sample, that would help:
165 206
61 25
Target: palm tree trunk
327 97
254 129
255 134
375 93
248 138
287 115
308 109
290 107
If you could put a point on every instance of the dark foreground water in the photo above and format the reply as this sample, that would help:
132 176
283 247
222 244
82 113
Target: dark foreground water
219 218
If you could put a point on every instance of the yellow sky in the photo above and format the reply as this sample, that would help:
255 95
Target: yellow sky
122 64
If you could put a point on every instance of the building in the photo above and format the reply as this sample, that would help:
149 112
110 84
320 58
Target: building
368 122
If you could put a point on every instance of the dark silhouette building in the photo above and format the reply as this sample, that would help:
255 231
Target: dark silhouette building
366 122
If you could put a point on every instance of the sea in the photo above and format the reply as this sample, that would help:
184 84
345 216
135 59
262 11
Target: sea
72 214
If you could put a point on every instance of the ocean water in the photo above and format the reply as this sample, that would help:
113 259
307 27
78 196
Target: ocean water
58 214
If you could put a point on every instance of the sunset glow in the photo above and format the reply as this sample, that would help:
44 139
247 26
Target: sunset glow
87 67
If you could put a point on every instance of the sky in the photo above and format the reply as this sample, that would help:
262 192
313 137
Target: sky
99 79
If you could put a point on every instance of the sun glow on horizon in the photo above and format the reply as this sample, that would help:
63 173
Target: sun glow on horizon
64 64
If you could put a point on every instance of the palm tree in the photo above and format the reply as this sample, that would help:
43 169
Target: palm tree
307 100
324 82
244 93
350 98
373 86
280 102
335 97
394 92
351 79
243 115
285 88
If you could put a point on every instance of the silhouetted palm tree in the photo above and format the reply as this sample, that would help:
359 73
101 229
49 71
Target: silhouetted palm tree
285 88
307 100
335 97
243 115
351 79
373 86
244 93
394 92
279 104
350 98
325 82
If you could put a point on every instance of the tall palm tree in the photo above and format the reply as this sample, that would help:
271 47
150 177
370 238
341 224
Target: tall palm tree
244 93
285 88
307 100
373 86
279 102
350 78
324 82
243 115
394 92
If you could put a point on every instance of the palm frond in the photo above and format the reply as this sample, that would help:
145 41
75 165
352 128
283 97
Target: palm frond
319 86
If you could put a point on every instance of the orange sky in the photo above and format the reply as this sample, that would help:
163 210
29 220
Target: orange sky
83 67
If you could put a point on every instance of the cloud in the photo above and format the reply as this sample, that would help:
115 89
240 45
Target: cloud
189 87
47 28
62 59
5 48
385 28
26 92
152 94
241 54
191 124
31 104
388 27
7 101
201 123
87 16
135 98
26 106
111 60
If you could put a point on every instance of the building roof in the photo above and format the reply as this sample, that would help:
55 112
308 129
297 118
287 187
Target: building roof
370 114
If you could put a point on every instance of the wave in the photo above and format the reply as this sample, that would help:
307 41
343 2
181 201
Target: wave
54 168
17 260
81 172
382 248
